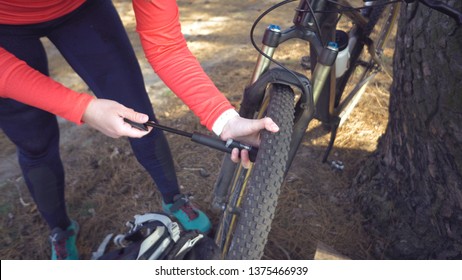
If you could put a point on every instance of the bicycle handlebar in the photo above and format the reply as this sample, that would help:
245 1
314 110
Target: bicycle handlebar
441 7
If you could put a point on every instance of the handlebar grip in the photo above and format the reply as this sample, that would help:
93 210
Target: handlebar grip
224 146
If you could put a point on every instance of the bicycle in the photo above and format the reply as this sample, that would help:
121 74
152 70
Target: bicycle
338 58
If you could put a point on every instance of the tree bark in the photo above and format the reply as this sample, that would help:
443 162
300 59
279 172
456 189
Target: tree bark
410 190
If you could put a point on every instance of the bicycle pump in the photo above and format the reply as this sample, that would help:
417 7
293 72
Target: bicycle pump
207 140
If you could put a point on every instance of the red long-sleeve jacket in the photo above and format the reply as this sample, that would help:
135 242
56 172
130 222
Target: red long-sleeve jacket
163 43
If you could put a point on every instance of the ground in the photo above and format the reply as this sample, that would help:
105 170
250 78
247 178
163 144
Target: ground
106 186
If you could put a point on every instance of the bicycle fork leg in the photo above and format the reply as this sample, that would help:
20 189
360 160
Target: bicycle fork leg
270 42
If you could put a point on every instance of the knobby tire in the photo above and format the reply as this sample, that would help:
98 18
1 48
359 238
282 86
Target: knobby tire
264 183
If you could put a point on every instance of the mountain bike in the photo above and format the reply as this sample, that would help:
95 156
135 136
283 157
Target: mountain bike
345 50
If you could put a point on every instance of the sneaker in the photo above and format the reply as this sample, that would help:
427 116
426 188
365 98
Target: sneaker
189 216
63 243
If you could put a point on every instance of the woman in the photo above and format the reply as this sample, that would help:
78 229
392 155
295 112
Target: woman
90 36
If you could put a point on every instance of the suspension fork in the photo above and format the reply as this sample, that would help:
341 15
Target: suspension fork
325 58
254 93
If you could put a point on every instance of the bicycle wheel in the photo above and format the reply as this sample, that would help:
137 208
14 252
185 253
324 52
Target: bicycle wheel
364 63
245 225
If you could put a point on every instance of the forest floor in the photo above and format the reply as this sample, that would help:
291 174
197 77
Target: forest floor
106 186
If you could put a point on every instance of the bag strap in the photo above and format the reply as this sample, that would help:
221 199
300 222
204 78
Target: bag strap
184 245
155 244
172 227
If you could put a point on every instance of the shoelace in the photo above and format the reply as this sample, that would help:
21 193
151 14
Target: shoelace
59 243
60 248
189 210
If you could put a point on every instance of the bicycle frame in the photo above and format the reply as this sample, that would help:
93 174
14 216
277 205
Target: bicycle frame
304 29
318 93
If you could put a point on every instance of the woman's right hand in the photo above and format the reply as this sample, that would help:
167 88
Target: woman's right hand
107 116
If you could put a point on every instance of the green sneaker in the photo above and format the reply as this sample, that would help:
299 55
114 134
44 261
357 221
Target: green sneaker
63 243
187 214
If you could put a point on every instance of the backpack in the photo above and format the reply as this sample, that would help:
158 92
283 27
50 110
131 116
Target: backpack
155 236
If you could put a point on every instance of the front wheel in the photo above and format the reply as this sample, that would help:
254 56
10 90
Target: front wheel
246 222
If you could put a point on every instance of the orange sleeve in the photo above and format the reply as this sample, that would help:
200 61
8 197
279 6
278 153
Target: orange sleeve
166 50
22 83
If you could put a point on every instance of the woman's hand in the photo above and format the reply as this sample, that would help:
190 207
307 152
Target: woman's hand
107 116
246 131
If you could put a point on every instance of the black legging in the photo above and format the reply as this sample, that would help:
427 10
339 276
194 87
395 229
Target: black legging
93 41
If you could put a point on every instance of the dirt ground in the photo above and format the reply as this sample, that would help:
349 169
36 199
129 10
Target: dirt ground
106 186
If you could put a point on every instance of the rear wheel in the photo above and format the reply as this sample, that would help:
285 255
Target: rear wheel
246 221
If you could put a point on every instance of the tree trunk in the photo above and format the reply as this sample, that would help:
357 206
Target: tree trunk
410 190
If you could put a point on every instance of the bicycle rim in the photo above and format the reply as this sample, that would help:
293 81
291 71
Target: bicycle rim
246 222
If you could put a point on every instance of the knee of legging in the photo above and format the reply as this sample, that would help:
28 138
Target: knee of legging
34 132
38 148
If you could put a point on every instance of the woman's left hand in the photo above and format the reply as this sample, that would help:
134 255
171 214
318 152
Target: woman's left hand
246 131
